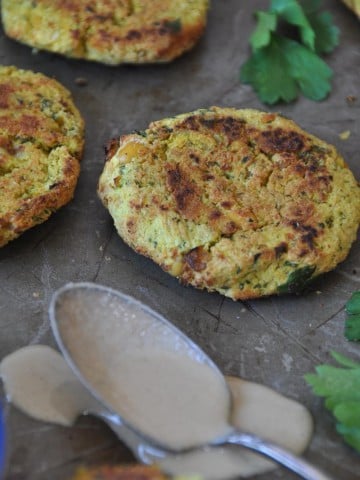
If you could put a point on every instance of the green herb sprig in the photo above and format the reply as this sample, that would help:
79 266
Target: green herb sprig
281 65
352 322
340 386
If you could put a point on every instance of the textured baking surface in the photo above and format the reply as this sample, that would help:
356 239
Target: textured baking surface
274 341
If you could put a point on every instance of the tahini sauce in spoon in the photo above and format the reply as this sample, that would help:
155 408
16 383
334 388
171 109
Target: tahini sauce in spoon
143 369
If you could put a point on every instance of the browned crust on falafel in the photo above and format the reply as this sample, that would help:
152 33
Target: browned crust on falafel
238 201
109 31
41 144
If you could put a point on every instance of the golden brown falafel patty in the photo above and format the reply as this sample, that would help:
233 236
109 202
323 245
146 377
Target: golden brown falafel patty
108 31
241 202
120 472
41 142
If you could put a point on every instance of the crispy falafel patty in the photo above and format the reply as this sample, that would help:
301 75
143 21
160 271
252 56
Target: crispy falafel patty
41 142
107 31
120 472
241 202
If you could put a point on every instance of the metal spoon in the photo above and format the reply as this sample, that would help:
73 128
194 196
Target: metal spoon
74 305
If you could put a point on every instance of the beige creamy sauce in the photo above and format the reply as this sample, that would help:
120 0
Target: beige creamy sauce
259 410
150 375
154 384
144 370
39 382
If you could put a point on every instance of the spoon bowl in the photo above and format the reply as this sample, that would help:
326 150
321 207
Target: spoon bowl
154 386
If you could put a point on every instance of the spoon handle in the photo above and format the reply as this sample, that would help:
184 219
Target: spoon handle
280 455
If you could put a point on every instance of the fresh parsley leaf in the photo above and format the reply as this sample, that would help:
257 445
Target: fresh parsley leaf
341 389
311 73
267 71
344 361
353 305
292 12
267 23
278 71
280 67
352 322
335 384
327 34
348 413
352 327
351 434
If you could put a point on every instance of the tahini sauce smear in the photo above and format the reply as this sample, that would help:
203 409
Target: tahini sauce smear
39 382
150 376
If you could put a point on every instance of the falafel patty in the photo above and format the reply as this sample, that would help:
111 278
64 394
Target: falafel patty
120 472
41 142
107 31
241 202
